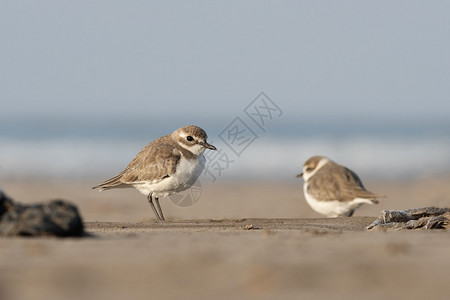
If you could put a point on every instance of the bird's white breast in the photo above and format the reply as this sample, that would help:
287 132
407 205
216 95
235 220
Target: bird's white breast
333 208
186 173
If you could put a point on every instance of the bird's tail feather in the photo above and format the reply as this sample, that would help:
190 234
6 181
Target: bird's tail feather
369 196
110 183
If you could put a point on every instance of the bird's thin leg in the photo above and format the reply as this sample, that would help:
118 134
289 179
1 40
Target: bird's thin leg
159 209
150 200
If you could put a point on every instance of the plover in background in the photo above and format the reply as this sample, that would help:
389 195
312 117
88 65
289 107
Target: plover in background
166 166
333 190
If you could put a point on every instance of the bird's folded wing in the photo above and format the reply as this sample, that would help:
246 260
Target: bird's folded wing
343 185
152 164
323 187
354 187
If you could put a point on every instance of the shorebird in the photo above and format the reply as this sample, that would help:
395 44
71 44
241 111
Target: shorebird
166 166
333 190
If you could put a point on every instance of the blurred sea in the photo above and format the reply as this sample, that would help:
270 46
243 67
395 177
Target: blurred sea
96 148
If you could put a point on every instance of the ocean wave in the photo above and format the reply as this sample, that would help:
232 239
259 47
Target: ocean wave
268 157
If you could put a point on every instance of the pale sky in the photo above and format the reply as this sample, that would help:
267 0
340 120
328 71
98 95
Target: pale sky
316 59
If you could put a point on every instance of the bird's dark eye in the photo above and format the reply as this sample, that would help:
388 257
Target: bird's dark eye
309 169
190 138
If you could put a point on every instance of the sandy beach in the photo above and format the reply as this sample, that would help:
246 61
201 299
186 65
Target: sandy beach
242 240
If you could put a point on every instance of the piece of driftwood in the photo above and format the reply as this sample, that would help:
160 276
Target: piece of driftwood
53 218
416 218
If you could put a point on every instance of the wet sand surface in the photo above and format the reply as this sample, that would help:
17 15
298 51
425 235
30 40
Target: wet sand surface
311 224
226 247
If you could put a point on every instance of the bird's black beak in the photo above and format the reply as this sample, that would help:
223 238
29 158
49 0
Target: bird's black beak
299 175
209 146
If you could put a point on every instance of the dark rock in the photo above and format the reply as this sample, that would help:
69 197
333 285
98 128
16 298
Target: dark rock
53 218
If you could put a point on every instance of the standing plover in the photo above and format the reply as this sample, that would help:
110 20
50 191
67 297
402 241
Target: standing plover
166 166
333 190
